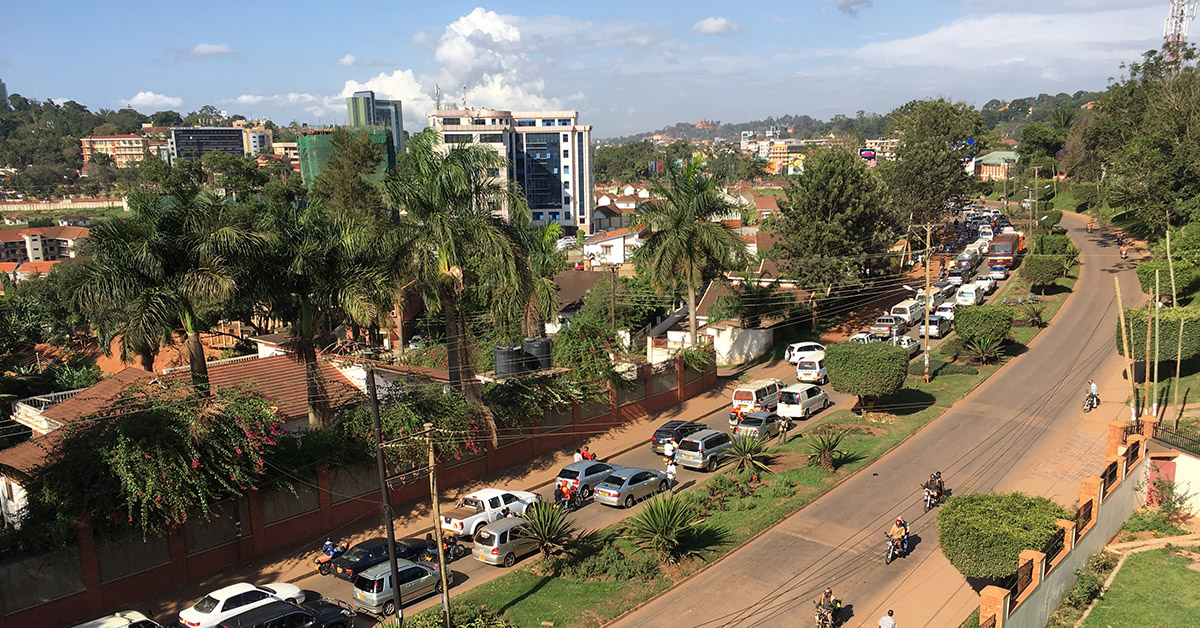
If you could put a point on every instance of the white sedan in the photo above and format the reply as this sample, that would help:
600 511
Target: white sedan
799 350
998 272
235 599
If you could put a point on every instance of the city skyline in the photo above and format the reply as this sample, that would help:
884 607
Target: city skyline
654 65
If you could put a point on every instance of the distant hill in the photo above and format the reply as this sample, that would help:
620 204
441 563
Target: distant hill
1005 116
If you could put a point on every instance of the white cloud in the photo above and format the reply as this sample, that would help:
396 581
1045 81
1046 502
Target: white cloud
716 26
202 51
421 37
290 98
351 61
149 100
347 60
851 7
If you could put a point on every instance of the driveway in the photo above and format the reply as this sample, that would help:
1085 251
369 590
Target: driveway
991 439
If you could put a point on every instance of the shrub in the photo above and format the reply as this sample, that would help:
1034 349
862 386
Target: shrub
1186 275
985 350
1171 499
983 322
609 561
825 448
867 371
982 534
1034 313
1151 521
549 527
1087 588
1102 562
1169 318
1049 244
749 453
662 526
1049 218
1039 270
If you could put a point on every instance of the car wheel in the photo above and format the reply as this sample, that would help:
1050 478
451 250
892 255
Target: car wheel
475 532
630 501
804 416
437 586
510 559
825 405
711 465
663 486
389 608
585 492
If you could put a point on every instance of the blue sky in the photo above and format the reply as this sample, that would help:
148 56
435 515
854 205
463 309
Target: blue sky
625 66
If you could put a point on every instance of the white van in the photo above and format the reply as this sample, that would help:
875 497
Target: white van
936 298
909 310
812 368
968 294
800 401
761 394
985 232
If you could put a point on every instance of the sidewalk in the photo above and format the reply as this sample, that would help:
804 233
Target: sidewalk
414 519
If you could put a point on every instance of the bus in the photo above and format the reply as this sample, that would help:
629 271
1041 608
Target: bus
1004 249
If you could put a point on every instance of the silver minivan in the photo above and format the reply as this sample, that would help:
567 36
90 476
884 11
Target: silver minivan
800 401
703 450
501 543
373 587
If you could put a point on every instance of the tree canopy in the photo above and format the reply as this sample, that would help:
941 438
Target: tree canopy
983 534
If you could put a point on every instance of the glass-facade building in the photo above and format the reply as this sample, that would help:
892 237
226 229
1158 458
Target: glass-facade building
363 109
195 142
548 154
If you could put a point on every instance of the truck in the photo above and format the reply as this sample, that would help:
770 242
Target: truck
484 506
1004 249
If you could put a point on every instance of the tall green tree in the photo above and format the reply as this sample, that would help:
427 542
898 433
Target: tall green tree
937 139
162 268
343 184
688 242
448 235
545 259
834 222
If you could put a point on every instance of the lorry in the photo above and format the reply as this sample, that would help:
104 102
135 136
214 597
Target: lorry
1004 249
484 506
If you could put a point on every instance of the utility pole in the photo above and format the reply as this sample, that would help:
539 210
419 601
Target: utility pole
437 526
1179 347
1128 356
1146 364
373 395
928 299
612 301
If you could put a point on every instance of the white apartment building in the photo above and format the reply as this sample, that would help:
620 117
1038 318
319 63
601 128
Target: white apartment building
549 155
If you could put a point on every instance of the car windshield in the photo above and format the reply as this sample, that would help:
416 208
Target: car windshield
807 365
743 395
613 481
485 538
789 397
206 605
363 583
753 422
471 502
664 433
689 445
997 269
356 553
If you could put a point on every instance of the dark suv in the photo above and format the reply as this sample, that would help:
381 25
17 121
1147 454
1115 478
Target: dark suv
678 430
324 613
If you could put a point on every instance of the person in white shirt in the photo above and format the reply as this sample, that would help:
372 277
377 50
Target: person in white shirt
578 456
887 622
669 448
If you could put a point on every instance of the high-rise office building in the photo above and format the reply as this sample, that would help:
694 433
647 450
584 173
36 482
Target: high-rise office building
364 109
549 156
195 142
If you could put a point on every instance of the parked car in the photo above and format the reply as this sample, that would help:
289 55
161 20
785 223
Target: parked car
585 475
888 326
938 327
946 311
760 425
484 506
760 394
228 601
123 619
799 350
373 587
627 485
810 369
703 449
998 273
800 401
909 344
672 429
865 337
958 276
325 613
986 284
372 552
502 542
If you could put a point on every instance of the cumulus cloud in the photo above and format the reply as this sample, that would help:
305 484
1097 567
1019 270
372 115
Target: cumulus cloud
203 51
716 26
851 7
351 61
290 98
421 37
151 100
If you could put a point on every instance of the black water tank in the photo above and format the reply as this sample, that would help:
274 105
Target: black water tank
537 353
509 360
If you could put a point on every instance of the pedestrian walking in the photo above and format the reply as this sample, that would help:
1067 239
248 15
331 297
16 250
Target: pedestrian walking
669 448
671 473
887 621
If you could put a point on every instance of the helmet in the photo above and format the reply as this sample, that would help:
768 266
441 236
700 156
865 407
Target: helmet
939 474
829 590
899 521
933 475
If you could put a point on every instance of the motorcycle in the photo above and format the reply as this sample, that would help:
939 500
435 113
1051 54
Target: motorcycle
1091 402
453 549
324 562
823 616
893 549
932 499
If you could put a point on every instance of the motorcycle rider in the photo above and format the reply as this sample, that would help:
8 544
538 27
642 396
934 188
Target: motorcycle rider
829 606
1093 393
935 486
899 533
328 548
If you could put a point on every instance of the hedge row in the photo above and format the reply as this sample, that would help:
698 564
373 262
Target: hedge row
870 370
1169 318
1186 275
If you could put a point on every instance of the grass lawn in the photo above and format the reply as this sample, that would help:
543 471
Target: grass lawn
1153 589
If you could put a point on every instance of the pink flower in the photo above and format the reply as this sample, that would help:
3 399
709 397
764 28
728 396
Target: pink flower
195 463
237 450
158 498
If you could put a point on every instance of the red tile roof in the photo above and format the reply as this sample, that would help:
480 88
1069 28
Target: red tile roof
63 233
37 268
27 456
766 203
8 267
92 400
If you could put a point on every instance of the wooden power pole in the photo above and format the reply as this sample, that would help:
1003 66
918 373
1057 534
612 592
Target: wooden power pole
1157 333
373 396
928 296
437 526
1128 355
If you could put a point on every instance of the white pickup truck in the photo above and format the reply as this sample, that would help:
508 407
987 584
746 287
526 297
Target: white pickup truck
483 507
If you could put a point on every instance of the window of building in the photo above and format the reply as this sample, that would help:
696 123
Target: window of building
564 122
537 215
459 138
566 185
566 153
547 122
526 122
478 121
554 215
451 121
606 249
491 138
566 138
566 170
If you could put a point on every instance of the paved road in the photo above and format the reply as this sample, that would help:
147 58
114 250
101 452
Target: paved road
838 540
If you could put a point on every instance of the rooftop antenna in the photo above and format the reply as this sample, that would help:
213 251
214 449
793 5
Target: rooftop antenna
464 102
1179 20
437 96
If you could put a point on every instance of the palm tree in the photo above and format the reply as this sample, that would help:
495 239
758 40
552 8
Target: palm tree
161 269
824 448
688 239
448 237
316 268
545 259
548 526
749 452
